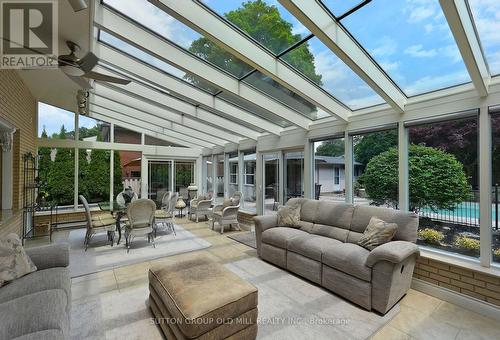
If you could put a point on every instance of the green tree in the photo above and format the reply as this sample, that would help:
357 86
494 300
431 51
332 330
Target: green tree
264 23
117 174
333 148
436 179
370 145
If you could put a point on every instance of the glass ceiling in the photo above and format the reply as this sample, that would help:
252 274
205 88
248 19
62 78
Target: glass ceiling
261 20
486 16
318 63
411 41
339 7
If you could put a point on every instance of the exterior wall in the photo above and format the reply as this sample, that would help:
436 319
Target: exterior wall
18 107
461 280
325 177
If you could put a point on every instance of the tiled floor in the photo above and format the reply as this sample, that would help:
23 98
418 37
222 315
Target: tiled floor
421 317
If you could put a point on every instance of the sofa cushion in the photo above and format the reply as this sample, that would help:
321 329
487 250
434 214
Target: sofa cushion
334 214
280 236
306 226
378 232
52 278
311 246
330 231
350 259
36 312
308 210
407 221
14 263
289 216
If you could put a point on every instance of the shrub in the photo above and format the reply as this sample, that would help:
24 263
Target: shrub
436 179
496 252
431 236
467 243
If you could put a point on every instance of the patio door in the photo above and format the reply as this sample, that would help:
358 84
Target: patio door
271 178
160 179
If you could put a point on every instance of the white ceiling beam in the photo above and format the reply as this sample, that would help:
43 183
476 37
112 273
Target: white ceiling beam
172 83
317 19
109 116
198 17
143 113
167 51
462 27
182 107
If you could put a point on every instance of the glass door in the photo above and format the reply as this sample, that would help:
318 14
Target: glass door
271 183
293 174
160 178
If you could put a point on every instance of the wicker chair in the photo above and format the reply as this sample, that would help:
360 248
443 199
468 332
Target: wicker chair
227 214
103 223
141 214
201 207
166 214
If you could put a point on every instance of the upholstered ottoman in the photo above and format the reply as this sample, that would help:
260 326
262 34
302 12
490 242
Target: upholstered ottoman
200 299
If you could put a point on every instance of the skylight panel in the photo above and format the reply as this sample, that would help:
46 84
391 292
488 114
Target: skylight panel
155 62
266 21
339 7
412 43
320 65
486 15
158 21
282 94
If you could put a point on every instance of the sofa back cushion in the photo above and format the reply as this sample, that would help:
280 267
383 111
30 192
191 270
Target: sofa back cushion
307 210
407 222
333 220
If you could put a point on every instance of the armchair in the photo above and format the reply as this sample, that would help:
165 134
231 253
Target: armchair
227 213
201 206
141 214
98 224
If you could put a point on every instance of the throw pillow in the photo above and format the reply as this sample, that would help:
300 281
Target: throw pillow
377 232
14 262
227 202
289 216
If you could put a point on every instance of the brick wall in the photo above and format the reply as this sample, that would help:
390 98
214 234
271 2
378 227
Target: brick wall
466 281
18 107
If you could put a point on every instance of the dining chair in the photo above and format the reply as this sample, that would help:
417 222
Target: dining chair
140 214
97 224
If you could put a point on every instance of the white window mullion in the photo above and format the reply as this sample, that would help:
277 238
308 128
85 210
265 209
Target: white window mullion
485 186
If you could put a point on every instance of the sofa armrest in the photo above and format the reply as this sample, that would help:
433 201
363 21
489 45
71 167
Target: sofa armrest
262 223
394 252
50 256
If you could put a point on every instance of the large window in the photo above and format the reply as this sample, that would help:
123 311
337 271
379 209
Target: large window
329 169
375 168
495 127
219 176
94 174
443 184
233 173
129 173
294 174
184 176
93 130
208 174
160 176
126 136
57 175
271 183
249 193
55 123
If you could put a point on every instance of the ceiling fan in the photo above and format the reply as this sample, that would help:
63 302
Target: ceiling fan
77 68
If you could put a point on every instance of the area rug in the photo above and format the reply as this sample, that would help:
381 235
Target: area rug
101 256
289 308
247 238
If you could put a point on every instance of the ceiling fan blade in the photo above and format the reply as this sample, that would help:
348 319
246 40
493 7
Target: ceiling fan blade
82 82
106 78
78 5
88 62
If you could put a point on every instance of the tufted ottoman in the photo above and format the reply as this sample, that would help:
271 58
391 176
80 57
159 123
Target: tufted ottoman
201 299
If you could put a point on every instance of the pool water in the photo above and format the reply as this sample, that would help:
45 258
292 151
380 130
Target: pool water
464 210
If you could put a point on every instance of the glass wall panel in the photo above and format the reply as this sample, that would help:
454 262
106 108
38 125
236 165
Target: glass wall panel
94 175
249 171
57 175
91 129
294 174
443 184
339 7
233 173
271 183
318 63
376 168
160 176
485 15
184 176
128 172
495 129
329 170
219 177
55 123
148 140
208 173
411 41
268 22
123 135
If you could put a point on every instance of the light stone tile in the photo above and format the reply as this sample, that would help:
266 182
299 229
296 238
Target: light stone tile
390 333
92 287
422 302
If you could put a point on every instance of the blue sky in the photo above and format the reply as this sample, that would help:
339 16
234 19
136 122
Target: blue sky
53 118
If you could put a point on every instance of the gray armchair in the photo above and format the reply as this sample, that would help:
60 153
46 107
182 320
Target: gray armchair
201 206
227 214
141 214
104 223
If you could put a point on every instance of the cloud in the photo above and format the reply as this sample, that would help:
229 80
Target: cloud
417 51
53 118
385 47
429 83
419 14
389 66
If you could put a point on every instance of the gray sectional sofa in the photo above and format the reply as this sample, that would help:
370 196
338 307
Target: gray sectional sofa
323 249
37 306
